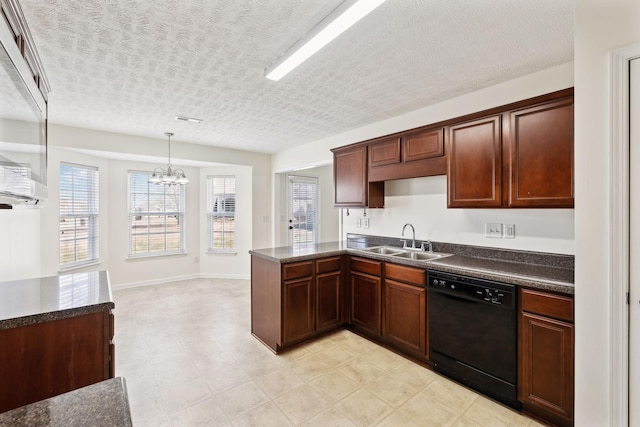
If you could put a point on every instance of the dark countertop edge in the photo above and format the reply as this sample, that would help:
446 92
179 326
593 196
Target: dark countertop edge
105 402
489 274
53 315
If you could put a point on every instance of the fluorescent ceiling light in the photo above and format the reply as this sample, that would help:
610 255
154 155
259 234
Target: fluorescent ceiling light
188 119
337 22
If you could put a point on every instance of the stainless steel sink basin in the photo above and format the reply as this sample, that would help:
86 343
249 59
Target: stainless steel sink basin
422 256
384 250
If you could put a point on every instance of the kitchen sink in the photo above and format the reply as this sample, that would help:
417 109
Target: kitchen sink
384 250
422 256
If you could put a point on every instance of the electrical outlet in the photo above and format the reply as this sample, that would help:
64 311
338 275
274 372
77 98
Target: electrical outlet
359 222
365 222
196 260
493 230
509 231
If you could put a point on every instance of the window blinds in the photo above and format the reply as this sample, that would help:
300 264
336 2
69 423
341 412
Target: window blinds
303 208
79 227
156 216
221 212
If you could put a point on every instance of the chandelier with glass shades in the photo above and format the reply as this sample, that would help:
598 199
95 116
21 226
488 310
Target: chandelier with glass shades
168 176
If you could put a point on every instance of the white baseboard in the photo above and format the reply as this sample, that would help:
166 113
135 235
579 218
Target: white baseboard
225 276
179 278
154 281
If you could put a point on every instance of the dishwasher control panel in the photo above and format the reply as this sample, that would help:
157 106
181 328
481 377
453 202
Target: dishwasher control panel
472 288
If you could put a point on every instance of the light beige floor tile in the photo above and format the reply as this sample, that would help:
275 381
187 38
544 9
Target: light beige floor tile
206 413
278 382
225 378
310 367
451 394
360 371
358 345
413 374
391 390
301 403
213 361
488 413
383 358
336 355
364 408
396 419
266 415
430 412
262 365
184 395
463 421
241 399
334 385
297 353
148 411
175 372
330 417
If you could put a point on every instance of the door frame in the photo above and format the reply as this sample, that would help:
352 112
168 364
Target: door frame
619 232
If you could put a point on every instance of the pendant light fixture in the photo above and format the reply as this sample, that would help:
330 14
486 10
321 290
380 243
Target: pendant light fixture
168 176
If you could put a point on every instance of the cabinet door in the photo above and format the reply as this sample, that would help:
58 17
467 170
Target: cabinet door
328 313
474 164
546 365
366 296
404 316
350 177
541 155
423 145
384 152
297 310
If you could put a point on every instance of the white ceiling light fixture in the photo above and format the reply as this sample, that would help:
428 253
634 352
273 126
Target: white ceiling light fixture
168 176
337 22
188 119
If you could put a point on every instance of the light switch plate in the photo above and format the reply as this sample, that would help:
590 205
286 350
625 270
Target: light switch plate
493 230
509 231
359 222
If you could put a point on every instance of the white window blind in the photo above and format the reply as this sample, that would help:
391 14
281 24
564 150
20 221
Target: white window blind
303 208
79 194
221 213
156 216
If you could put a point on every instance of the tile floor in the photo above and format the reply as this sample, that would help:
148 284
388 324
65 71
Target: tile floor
188 357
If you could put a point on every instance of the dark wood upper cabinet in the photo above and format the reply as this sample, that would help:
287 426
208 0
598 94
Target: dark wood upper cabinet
540 155
384 152
352 188
423 145
474 164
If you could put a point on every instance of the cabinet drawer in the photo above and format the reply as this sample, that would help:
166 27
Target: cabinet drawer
556 306
327 265
297 269
402 273
366 266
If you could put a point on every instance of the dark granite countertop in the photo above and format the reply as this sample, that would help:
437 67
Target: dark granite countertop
104 404
551 272
30 301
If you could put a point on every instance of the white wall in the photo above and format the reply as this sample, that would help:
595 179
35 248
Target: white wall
423 203
20 248
601 26
235 265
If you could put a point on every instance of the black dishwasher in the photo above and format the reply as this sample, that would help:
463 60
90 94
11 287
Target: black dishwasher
472 333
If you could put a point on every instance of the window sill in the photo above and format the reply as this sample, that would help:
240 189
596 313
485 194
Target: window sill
146 257
222 252
71 268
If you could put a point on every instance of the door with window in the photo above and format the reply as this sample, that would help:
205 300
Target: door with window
302 209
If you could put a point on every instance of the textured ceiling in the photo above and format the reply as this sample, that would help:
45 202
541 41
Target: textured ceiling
131 66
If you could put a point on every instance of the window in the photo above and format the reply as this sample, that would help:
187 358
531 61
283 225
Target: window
221 213
78 215
303 209
156 217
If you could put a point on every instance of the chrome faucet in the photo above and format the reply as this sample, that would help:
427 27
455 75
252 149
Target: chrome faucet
413 241
426 245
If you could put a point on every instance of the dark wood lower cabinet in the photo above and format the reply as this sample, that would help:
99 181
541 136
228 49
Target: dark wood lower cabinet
328 304
366 296
46 359
297 310
546 357
405 314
